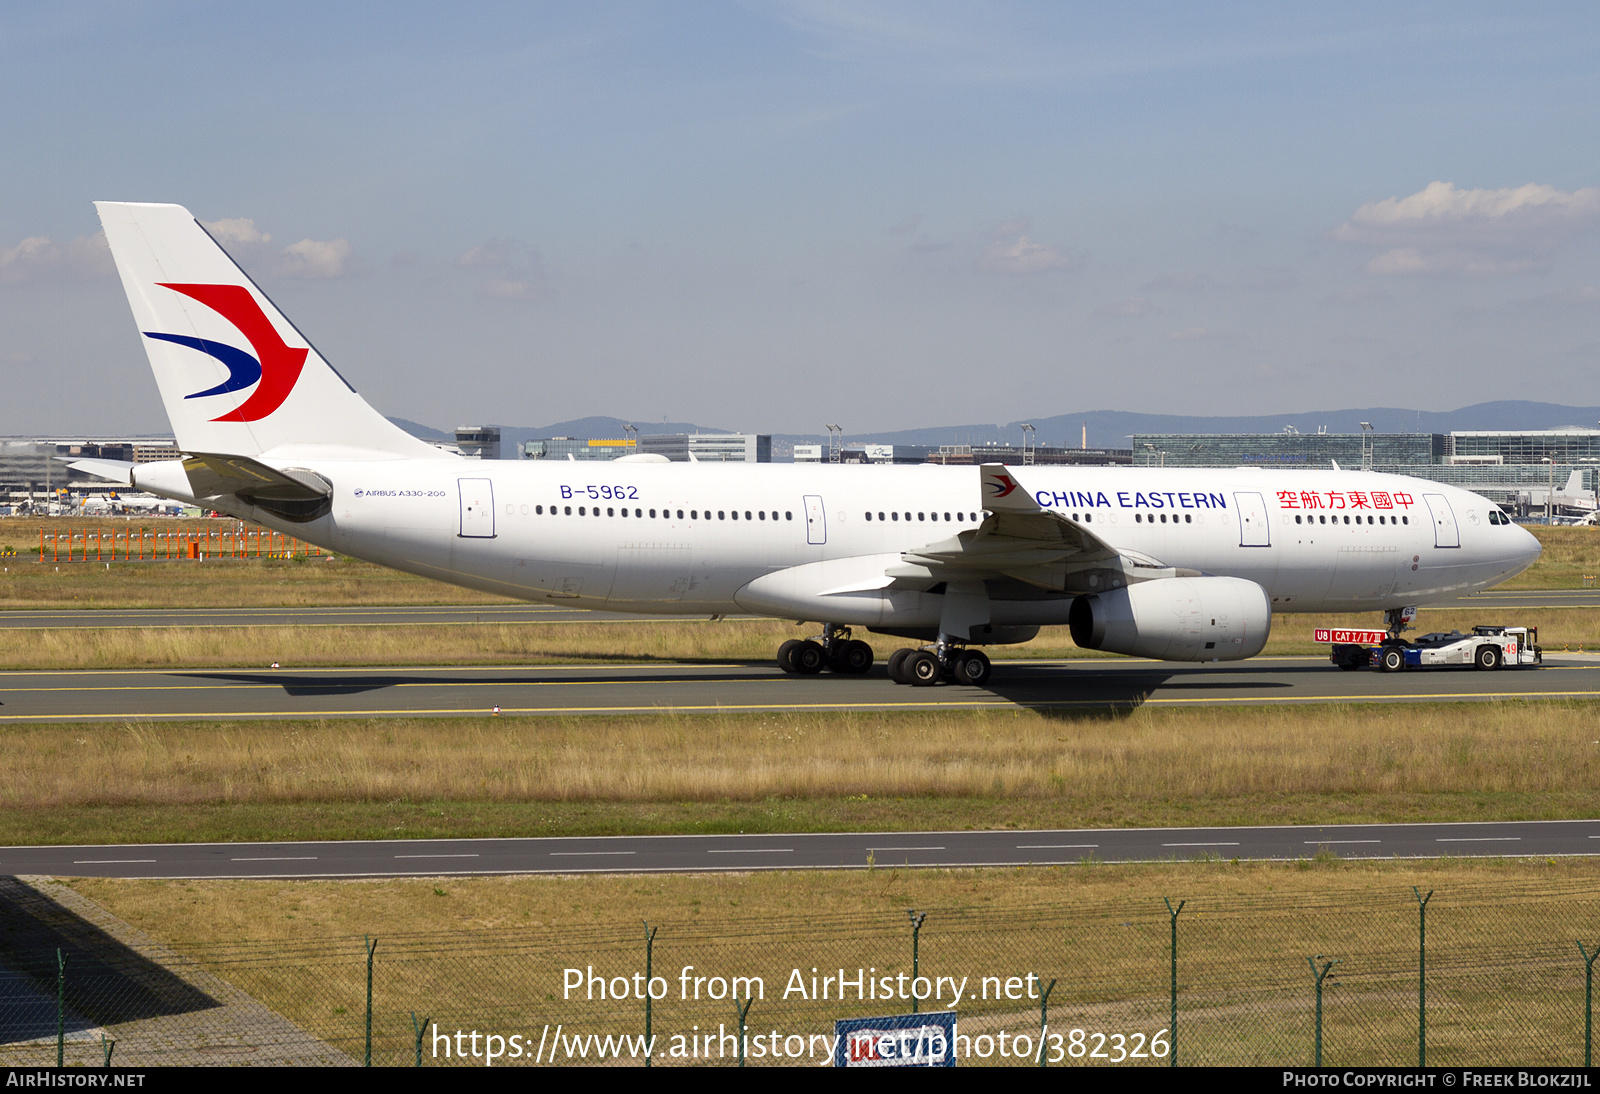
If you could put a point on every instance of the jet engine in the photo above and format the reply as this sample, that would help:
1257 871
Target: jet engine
1176 619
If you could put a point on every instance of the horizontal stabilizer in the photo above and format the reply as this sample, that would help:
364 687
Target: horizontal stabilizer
213 475
117 471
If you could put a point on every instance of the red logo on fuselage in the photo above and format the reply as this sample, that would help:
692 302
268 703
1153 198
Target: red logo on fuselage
280 363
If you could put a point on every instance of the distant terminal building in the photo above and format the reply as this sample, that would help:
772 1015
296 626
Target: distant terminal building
714 447
1015 455
677 447
478 442
1518 470
1025 455
37 465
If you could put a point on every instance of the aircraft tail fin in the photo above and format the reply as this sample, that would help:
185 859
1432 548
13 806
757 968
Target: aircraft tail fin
1574 485
235 375
1002 492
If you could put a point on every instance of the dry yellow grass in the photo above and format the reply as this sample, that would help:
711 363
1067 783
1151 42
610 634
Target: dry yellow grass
664 639
490 953
1077 763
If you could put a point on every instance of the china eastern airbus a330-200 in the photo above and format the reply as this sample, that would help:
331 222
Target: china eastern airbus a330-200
1182 565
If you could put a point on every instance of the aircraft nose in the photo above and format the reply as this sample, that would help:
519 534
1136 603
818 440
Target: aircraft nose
1530 550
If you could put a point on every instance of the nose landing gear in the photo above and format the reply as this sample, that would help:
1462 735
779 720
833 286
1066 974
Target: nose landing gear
833 649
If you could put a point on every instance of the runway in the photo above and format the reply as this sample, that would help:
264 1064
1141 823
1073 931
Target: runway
646 688
800 851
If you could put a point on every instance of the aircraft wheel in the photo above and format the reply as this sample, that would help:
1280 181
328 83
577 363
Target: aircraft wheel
1487 657
852 658
808 658
972 667
786 655
897 661
922 669
1393 659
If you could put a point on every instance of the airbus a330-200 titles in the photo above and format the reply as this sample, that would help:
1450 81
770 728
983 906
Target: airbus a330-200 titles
1175 564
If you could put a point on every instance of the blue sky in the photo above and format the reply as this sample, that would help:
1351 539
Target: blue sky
769 216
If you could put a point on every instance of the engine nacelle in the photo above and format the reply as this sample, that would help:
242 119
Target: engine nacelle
1176 619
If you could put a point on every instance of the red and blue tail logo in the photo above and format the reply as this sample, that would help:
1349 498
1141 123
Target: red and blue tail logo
275 367
1002 484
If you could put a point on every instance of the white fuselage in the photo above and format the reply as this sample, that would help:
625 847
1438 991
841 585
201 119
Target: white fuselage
687 538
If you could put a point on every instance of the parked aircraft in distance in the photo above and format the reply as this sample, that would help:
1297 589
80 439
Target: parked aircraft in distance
1179 564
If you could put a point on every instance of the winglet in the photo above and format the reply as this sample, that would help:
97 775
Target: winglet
1002 492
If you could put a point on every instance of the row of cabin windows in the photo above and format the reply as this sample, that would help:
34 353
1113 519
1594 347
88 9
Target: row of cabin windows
1322 518
963 517
1150 518
666 514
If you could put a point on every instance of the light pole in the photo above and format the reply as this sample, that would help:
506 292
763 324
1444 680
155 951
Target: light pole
1366 446
1027 452
835 442
1549 499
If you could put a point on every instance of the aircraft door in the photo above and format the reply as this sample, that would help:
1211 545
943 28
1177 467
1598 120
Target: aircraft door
1253 529
1445 533
816 520
477 508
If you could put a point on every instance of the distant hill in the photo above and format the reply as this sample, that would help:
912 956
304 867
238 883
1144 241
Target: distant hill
1107 428
422 432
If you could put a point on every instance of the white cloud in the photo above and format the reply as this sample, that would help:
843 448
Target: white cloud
39 258
310 259
1020 256
1409 260
516 264
1133 306
236 230
506 288
499 254
1441 230
315 259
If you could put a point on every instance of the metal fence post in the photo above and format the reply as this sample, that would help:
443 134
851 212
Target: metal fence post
108 1047
916 931
371 944
1044 1017
418 1030
744 1012
1172 1025
649 955
1422 974
61 1008
1320 977
1588 1000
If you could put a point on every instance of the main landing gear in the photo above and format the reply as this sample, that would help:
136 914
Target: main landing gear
944 661
833 650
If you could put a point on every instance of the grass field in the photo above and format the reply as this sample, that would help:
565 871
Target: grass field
153 782
691 640
1505 980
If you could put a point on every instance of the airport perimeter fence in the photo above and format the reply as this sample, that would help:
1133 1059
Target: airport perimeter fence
1475 975
151 545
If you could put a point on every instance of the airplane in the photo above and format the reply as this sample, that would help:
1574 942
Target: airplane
127 503
1178 564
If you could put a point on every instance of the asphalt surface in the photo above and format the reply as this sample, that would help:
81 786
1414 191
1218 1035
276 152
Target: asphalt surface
643 688
796 851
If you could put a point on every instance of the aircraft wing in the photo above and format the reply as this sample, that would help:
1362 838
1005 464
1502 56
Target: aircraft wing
1019 539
